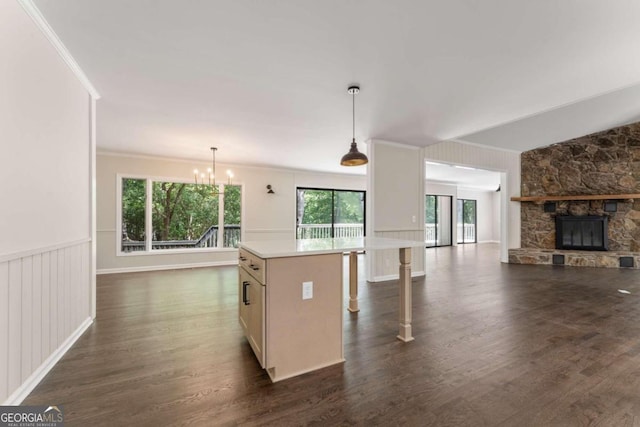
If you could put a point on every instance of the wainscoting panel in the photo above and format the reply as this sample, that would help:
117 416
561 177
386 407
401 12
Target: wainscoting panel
386 261
472 155
4 329
44 299
269 234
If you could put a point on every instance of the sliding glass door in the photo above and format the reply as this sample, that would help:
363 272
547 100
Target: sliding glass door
323 213
466 221
437 227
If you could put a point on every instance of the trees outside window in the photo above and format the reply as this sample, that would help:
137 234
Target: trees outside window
466 221
133 214
183 216
323 213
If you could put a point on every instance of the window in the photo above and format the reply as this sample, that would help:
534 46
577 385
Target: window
325 213
437 227
133 214
466 221
159 215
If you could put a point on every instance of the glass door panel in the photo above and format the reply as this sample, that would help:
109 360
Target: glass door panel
315 214
466 221
348 214
430 235
323 213
437 227
444 221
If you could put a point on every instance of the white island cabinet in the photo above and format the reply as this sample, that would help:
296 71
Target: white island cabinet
291 311
291 301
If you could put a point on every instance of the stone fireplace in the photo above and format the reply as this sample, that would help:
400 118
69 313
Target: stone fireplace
589 186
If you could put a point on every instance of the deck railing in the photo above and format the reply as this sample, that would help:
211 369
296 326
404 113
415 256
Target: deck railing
208 239
468 233
321 231
431 231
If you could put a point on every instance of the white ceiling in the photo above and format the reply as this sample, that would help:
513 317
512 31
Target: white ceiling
265 81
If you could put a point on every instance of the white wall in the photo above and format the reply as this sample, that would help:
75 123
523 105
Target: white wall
440 189
264 216
487 207
486 221
506 162
495 235
40 106
45 168
395 204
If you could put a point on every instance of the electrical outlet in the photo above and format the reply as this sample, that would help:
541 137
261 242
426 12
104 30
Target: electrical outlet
307 290
413 219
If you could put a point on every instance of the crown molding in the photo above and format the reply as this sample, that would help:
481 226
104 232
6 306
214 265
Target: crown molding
34 13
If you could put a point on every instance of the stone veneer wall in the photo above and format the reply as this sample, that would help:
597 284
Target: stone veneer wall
602 163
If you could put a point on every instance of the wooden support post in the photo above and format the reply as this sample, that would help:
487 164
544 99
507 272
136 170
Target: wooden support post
404 284
353 282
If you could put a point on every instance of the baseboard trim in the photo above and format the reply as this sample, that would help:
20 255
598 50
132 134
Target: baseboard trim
165 267
396 276
34 379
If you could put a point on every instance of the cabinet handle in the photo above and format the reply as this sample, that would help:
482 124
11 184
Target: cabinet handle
245 298
254 267
243 258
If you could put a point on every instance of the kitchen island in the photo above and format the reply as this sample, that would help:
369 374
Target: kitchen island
291 307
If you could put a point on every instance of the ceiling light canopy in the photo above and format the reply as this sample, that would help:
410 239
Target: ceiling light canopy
354 157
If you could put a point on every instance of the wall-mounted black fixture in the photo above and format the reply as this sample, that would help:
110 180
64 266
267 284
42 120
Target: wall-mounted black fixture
626 261
549 206
611 206
270 189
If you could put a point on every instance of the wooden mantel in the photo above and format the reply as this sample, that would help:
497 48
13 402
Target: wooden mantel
582 197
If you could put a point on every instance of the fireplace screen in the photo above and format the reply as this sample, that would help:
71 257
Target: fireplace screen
582 232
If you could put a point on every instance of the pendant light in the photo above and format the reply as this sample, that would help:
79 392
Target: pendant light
354 157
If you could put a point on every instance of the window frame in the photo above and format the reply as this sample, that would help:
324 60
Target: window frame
475 219
437 198
148 250
333 200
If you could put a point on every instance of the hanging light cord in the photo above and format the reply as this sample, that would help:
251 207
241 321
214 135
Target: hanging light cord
353 97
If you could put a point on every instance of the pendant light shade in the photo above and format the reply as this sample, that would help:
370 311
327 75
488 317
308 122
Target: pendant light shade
354 157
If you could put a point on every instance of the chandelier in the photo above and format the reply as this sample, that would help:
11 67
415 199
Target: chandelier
210 177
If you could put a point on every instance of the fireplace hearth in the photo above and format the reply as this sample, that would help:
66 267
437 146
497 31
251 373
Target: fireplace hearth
587 233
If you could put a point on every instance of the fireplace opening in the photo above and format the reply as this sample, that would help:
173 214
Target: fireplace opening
587 233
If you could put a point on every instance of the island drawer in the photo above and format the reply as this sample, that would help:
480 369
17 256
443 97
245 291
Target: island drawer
255 265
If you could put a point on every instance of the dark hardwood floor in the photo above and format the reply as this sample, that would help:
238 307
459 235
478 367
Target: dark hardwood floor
495 345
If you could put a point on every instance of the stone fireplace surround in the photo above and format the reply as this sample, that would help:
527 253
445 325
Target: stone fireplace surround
604 163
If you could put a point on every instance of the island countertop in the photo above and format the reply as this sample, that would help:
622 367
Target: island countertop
302 247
